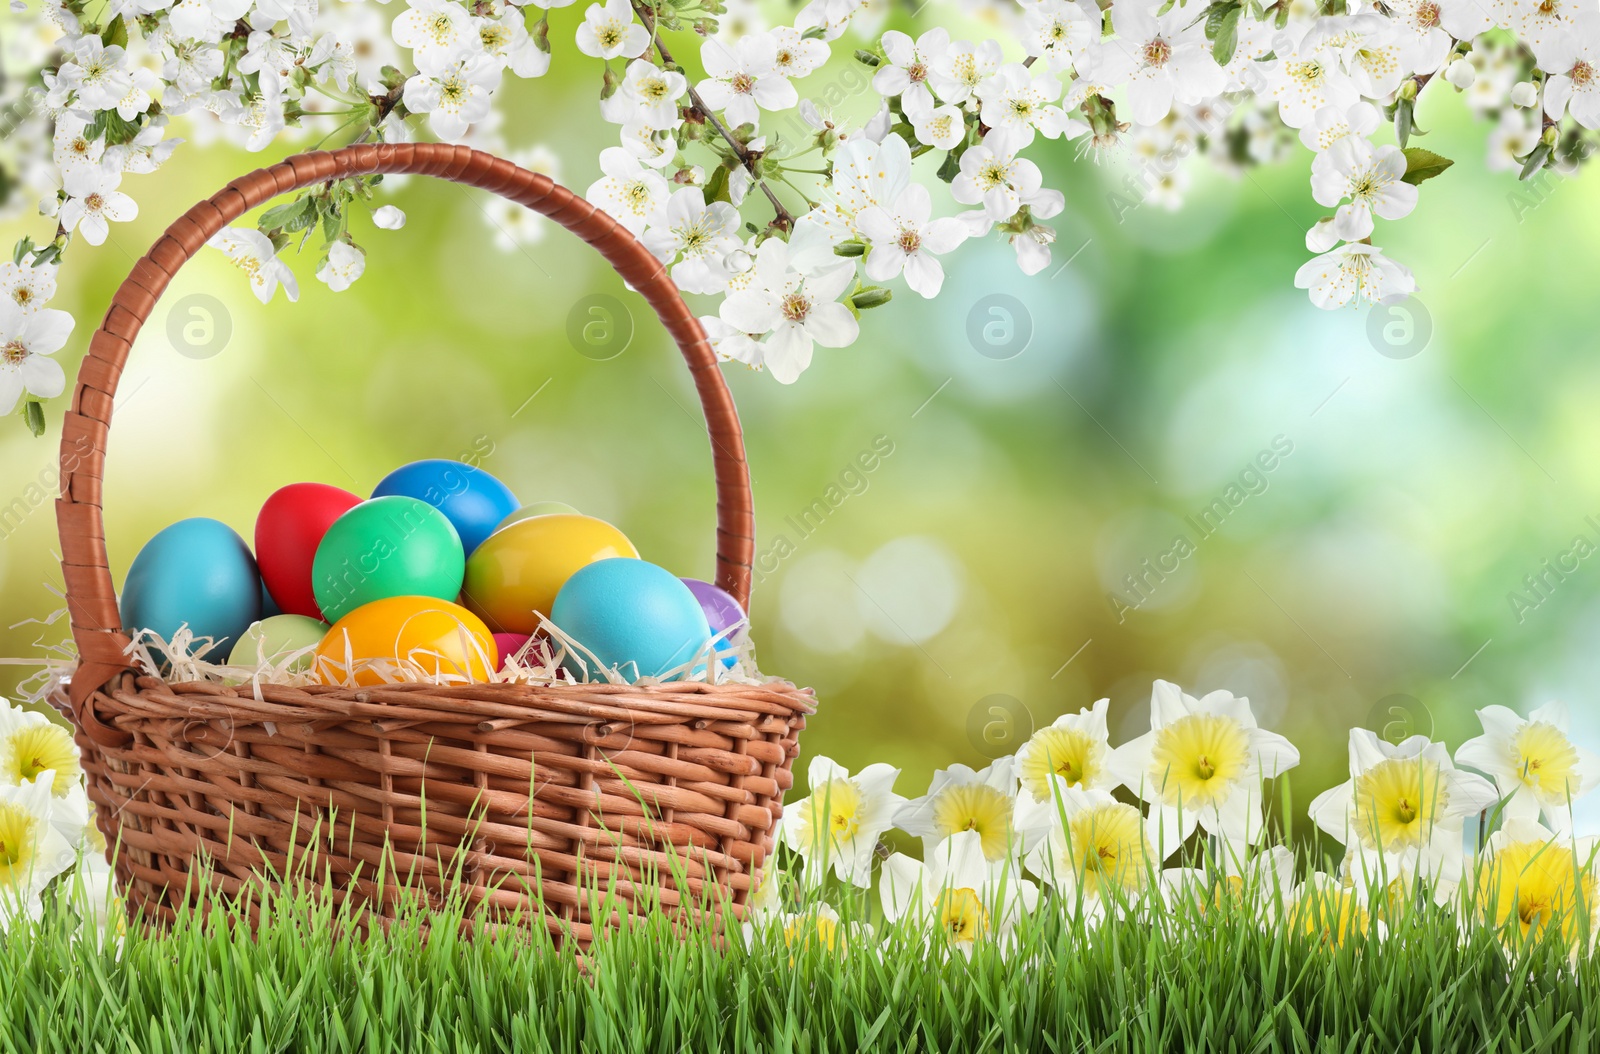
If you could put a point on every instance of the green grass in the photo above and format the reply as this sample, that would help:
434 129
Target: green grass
1191 977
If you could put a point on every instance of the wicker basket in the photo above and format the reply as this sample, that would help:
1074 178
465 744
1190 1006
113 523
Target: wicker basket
535 798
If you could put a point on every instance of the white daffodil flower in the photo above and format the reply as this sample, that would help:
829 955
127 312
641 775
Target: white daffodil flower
1401 812
1533 762
1075 750
960 799
959 894
838 823
1532 882
32 851
1095 849
1201 764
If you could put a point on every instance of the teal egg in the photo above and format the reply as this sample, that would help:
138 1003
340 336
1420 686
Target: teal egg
198 573
276 637
631 615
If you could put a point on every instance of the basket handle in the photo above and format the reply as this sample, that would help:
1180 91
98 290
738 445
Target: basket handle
91 599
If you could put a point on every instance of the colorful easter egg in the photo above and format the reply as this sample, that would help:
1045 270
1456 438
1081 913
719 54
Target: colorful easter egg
199 573
515 575
392 546
472 500
271 640
631 616
289 528
722 613
424 634
539 508
508 644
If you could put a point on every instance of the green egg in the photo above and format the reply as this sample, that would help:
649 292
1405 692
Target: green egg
278 636
393 546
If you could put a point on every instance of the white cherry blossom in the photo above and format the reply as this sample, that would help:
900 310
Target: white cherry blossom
796 310
699 236
994 176
1573 86
95 75
1162 58
345 264
647 95
252 252
963 66
1020 104
906 238
1371 177
439 33
1331 124
455 97
742 79
629 190
941 127
27 340
27 286
609 31
94 203
907 66
1355 272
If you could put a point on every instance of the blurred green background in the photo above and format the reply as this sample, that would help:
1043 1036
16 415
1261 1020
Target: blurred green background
963 593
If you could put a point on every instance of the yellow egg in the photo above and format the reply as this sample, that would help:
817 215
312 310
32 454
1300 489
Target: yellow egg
424 634
514 576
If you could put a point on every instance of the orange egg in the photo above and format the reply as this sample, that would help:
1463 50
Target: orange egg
514 576
424 635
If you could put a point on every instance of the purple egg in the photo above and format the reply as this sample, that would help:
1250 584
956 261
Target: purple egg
721 611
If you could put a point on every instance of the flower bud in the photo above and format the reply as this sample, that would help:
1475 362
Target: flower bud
1461 74
388 218
1408 89
1524 94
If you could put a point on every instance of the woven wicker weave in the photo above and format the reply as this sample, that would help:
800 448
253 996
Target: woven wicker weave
531 795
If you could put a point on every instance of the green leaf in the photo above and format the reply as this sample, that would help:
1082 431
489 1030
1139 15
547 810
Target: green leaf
1535 160
33 413
296 215
850 248
951 167
1222 26
115 35
1422 165
717 185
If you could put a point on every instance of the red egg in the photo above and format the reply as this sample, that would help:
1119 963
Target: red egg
288 531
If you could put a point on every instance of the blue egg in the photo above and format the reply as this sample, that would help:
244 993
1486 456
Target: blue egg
269 607
198 573
632 615
472 500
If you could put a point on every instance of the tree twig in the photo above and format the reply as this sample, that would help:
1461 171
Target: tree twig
783 219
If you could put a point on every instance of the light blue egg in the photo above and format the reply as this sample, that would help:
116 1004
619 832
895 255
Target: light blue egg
631 615
199 573
471 499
